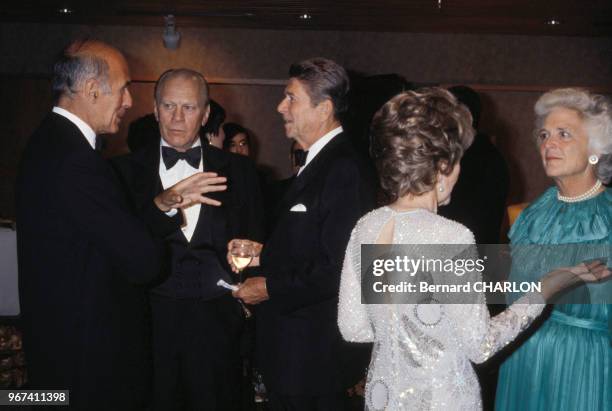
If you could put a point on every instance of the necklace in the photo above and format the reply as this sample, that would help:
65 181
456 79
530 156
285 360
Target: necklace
592 192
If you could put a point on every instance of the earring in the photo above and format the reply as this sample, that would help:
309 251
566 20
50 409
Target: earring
593 159
441 188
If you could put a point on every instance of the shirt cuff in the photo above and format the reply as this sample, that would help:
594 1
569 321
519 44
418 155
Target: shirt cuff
172 212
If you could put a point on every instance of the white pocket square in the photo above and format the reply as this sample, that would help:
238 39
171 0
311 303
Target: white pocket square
298 208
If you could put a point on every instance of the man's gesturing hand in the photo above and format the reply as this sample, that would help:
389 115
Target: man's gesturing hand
191 191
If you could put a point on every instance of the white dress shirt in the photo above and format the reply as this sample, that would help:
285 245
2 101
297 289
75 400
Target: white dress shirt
87 131
181 171
318 146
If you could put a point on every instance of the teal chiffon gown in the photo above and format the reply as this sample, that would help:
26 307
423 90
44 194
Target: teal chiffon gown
567 363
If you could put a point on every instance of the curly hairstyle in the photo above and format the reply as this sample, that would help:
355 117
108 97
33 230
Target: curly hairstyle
596 112
415 136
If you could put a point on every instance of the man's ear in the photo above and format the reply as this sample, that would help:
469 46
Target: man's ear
326 108
155 111
206 114
91 89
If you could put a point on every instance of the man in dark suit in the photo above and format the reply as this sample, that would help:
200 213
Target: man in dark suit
479 203
83 257
196 323
300 350
479 197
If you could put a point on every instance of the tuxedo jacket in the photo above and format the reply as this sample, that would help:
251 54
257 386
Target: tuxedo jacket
479 197
239 216
299 347
83 261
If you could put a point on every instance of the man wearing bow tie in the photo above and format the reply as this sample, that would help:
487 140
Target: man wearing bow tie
300 351
196 324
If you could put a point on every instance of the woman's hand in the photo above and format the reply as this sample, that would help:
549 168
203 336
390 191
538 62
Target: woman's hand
567 277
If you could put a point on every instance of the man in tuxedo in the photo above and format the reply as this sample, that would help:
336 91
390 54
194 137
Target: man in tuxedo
300 350
196 323
479 197
83 257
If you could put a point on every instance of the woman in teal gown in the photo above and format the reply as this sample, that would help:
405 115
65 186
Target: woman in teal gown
566 364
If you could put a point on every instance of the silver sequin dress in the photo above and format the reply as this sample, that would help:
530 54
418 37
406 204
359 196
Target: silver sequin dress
422 354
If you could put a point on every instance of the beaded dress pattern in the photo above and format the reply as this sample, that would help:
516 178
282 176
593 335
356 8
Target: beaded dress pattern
422 353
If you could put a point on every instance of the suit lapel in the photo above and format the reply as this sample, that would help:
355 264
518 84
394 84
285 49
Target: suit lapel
214 161
306 177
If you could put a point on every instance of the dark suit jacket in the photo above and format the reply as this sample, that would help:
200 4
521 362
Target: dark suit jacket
300 350
239 216
478 200
82 260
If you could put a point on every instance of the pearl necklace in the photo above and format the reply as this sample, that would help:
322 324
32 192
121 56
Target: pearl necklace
592 192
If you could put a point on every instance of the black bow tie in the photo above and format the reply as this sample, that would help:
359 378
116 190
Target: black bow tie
300 157
171 156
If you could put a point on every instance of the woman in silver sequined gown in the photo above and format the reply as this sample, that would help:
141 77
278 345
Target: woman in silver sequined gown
423 352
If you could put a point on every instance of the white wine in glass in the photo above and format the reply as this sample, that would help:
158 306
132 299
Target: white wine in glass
242 253
241 262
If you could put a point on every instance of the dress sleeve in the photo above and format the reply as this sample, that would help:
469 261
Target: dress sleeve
353 320
481 336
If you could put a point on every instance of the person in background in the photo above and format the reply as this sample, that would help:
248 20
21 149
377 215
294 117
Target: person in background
141 132
212 130
479 198
479 203
566 363
237 139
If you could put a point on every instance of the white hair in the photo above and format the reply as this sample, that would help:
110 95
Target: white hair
596 112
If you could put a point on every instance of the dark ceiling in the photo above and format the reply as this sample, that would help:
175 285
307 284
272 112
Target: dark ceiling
532 17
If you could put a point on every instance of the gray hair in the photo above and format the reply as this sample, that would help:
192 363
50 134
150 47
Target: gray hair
74 67
596 112
185 74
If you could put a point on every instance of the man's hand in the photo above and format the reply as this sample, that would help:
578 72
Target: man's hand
252 291
191 191
254 246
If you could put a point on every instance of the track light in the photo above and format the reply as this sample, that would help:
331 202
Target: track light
171 37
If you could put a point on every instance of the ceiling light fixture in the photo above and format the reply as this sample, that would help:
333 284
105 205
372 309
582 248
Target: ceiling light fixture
553 22
171 36
305 16
64 10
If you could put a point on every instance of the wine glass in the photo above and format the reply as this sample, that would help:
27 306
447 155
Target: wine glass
242 252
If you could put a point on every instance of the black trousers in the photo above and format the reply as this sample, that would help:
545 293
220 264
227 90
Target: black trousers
196 358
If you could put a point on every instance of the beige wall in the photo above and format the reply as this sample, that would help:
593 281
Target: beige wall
517 61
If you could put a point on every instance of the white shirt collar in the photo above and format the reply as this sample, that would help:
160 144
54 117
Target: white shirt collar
318 146
87 131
